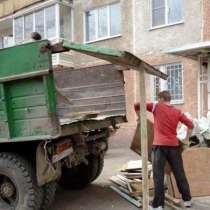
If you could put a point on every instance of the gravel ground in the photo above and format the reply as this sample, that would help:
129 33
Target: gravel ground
98 196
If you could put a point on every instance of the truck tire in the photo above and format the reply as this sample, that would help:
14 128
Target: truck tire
80 176
100 166
18 187
49 191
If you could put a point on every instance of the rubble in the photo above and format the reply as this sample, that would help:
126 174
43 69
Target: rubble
128 183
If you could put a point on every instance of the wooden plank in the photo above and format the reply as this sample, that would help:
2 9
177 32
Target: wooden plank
135 202
136 142
143 137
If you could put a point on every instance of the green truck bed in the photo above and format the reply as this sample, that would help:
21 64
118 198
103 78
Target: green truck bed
38 103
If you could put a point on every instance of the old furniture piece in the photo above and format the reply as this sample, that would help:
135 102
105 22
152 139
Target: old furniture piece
55 124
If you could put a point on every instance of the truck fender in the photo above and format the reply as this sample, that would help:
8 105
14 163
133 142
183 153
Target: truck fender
46 171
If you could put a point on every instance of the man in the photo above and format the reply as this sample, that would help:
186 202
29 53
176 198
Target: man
36 36
166 147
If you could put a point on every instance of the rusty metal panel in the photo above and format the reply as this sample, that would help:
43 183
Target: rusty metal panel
96 89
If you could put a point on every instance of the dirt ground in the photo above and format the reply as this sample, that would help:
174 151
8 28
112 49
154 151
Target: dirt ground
98 196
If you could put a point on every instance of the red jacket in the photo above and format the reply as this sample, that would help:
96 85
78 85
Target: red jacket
166 119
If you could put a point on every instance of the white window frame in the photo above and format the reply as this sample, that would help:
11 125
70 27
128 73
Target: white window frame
43 7
166 17
163 85
96 21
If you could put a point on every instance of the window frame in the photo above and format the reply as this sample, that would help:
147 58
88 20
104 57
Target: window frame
109 36
181 21
163 68
43 8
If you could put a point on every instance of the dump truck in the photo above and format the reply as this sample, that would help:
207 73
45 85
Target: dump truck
55 123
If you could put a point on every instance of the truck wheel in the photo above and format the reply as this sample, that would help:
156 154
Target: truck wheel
49 191
80 176
100 166
18 187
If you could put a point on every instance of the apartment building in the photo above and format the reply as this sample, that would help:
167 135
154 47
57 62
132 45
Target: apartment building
173 35
170 34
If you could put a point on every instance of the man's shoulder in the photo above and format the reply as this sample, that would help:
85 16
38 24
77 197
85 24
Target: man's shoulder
169 108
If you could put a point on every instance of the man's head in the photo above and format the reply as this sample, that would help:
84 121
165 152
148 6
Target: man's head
36 36
164 96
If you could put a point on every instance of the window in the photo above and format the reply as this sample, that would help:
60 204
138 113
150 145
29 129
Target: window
103 22
65 22
18 30
39 22
6 41
47 21
115 19
50 22
173 84
91 25
28 26
166 12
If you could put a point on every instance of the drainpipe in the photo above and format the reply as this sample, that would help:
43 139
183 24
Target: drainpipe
199 87
208 84
136 79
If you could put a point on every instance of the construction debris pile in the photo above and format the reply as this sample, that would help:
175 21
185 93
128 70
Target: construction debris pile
201 132
128 183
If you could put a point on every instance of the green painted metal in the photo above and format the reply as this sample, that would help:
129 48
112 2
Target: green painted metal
27 94
122 58
23 59
92 49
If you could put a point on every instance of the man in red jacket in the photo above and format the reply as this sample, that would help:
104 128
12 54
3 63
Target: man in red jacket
166 147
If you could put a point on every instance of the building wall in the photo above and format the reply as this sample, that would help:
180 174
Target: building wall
8 7
150 41
152 45
206 20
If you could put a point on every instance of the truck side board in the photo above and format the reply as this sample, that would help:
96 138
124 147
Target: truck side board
27 94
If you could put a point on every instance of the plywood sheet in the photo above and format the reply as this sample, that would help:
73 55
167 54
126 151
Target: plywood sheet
197 168
136 146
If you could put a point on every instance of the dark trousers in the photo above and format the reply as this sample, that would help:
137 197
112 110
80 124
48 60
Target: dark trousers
174 158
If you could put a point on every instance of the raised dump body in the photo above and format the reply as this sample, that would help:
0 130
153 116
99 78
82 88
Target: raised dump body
36 101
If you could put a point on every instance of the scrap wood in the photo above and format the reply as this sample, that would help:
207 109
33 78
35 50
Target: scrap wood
173 200
134 165
135 202
119 182
170 204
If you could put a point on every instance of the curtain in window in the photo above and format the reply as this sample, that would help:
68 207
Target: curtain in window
65 22
91 25
158 12
102 22
28 26
50 16
115 19
19 30
1 43
174 81
39 22
174 11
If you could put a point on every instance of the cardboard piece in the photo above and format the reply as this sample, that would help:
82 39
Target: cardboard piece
136 146
197 168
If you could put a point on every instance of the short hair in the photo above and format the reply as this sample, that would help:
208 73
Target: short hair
165 95
36 36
